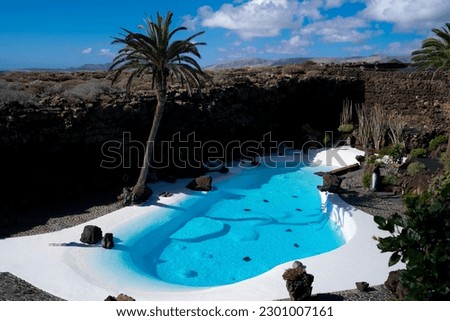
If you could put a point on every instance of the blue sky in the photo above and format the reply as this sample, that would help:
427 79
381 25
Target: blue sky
60 33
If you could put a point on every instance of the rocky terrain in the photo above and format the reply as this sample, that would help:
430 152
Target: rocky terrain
56 127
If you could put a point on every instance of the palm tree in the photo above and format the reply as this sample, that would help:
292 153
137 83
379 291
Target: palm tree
435 52
153 51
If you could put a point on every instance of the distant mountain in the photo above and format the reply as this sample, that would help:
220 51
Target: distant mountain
258 62
91 67
240 63
86 67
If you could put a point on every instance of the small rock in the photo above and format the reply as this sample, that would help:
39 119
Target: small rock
108 241
362 286
202 183
120 297
124 297
91 234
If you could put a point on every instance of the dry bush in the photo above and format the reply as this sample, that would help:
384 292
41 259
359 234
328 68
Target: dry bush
39 86
89 90
292 69
378 125
364 126
347 112
395 129
15 92
71 83
53 89
65 76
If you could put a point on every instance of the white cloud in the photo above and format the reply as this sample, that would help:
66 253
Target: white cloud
237 52
294 45
106 52
190 23
87 51
357 50
403 48
260 18
408 15
333 3
339 29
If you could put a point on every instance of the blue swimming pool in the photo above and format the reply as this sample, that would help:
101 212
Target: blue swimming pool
253 221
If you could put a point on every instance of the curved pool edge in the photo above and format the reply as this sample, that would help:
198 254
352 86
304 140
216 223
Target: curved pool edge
357 260
65 272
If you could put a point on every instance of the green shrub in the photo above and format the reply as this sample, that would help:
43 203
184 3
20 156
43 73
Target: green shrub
420 239
388 180
346 128
395 151
366 180
372 159
415 168
445 160
418 152
435 142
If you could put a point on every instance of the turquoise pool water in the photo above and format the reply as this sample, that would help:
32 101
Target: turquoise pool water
248 224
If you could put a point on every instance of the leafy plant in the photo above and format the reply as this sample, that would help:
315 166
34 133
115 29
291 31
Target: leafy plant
418 152
366 180
346 128
372 159
389 180
415 168
435 50
421 240
435 142
445 160
394 151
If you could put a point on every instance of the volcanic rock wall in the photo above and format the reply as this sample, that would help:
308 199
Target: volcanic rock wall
420 99
52 145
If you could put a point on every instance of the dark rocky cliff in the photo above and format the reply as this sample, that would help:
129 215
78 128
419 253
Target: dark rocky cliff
53 126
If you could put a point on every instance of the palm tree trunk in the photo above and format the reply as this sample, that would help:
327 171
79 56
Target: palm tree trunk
139 188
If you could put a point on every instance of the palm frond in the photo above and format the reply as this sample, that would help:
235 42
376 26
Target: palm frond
152 51
435 51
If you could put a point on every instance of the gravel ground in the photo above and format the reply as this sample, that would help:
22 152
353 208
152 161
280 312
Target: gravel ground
375 203
55 218
58 217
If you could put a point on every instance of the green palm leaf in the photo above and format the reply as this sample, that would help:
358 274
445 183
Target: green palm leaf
435 52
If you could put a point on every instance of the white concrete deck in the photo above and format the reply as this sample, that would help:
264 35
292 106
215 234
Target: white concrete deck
67 272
